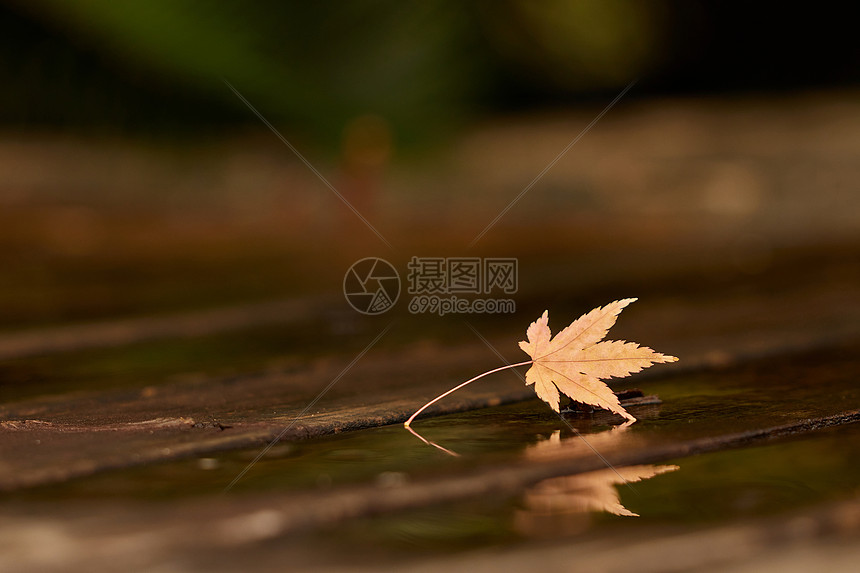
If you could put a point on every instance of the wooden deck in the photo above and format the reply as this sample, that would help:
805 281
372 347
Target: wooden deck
182 326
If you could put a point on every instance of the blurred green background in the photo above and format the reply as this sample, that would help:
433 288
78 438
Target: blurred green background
155 67
133 181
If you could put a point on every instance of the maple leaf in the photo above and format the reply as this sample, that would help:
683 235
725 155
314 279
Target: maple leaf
574 363
577 360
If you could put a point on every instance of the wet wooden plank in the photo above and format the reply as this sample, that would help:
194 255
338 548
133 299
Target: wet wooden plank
113 333
823 538
735 259
61 437
146 535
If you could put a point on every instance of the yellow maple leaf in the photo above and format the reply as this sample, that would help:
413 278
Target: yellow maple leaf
574 363
577 360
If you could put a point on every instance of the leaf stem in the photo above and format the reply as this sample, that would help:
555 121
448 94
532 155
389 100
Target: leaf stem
454 389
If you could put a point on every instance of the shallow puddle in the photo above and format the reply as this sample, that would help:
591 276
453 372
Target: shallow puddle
728 486
721 487
714 488
751 397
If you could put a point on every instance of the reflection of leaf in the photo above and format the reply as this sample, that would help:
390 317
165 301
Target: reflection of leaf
555 448
575 362
563 504
591 491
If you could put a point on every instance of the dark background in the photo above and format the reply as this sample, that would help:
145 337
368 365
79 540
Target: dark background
427 67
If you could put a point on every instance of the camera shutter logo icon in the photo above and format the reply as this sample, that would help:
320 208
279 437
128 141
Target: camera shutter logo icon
371 285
